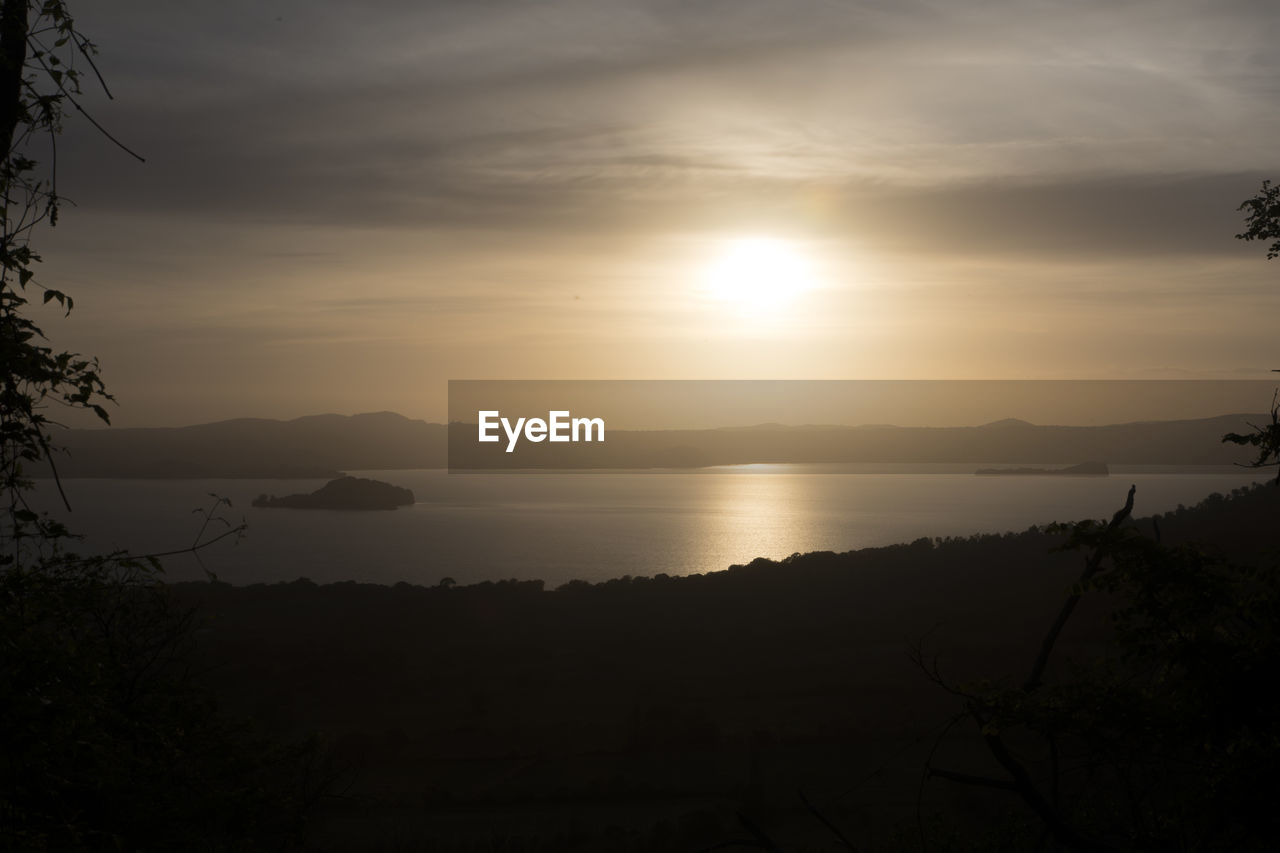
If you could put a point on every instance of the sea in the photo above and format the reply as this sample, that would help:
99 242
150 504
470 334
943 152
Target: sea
591 525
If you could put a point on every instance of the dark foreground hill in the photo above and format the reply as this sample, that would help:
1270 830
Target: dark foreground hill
649 713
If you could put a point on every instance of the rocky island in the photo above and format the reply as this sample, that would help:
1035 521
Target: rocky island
1084 469
344 493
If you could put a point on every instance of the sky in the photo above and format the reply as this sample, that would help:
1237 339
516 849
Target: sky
343 207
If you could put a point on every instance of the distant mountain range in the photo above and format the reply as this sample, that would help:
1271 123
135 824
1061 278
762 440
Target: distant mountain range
323 446
1184 442
318 446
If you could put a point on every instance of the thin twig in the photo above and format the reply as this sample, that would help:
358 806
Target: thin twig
970 779
71 100
765 842
835 830
83 45
48 454
924 777
1031 795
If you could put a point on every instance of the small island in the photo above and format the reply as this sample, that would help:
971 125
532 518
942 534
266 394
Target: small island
1084 469
355 493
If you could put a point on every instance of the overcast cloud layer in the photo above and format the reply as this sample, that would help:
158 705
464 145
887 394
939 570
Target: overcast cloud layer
311 147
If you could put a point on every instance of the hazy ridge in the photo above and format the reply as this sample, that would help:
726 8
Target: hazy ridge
321 446
316 446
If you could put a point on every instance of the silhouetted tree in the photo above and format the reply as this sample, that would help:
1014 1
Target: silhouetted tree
1265 437
1263 219
1167 741
105 743
1170 739
39 46
1263 223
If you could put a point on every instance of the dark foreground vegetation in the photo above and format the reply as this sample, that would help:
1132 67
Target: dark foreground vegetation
912 698
906 697
769 700
936 695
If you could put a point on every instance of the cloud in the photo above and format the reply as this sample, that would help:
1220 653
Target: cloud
555 112
444 175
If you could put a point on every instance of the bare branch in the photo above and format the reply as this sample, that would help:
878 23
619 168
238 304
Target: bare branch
848 845
1030 794
970 779
1092 566
84 46
71 100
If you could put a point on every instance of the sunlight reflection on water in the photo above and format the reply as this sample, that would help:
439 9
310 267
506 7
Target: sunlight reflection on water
558 526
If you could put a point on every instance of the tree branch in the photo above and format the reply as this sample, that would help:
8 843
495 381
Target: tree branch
1092 566
71 100
970 779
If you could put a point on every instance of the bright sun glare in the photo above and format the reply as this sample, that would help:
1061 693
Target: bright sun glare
758 273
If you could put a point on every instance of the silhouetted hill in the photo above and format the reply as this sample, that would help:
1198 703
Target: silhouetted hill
319 446
349 493
1084 469
1185 442
324 446
595 709
1007 422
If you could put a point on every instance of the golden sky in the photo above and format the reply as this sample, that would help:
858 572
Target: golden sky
342 208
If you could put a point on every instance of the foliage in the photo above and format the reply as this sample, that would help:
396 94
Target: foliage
107 742
1263 223
1168 740
1265 438
1263 220
40 52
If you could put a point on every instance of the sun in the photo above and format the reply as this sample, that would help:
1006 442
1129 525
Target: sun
758 274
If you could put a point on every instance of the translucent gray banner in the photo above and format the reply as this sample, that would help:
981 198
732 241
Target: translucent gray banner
675 424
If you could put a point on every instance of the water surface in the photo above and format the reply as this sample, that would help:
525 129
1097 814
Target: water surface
595 525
